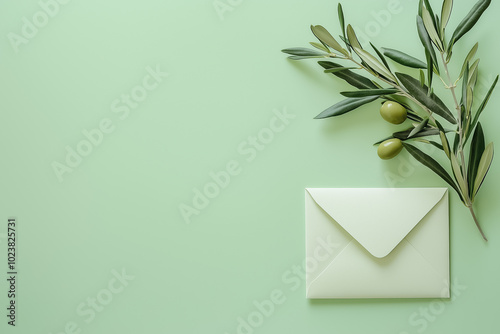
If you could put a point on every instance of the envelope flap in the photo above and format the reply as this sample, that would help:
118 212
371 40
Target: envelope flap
378 218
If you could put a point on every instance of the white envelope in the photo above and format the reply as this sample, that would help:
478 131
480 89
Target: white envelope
382 243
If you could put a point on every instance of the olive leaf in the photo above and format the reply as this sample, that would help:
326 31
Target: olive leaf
456 140
342 25
303 52
445 14
484 166
473 73
423 133
320 46
430 68
426 42
468 101
374 64
403 135
448 56
428 7
338 69
432 164
468 59
458 173
303 57
350 77
353 39
483 104
469 21
422 78
326 38
403 58
369 92
439 146
431 29
465 83
432 102
477 147
433 143
444 139
437 25
345 106
473 68
418 128
381 56
445 144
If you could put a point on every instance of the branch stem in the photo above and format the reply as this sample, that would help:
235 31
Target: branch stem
467 199
460 128
477 222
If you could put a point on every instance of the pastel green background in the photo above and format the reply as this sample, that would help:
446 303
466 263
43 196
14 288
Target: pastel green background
120 207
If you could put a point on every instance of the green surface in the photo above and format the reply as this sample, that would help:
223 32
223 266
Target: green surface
119 207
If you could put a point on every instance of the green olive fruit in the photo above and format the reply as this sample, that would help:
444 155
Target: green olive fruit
393 112
389 148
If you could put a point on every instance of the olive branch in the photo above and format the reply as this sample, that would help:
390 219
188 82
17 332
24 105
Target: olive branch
407 97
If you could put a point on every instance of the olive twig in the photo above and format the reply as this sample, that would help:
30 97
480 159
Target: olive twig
402 91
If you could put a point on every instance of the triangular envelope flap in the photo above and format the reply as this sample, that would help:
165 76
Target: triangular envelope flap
378 218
